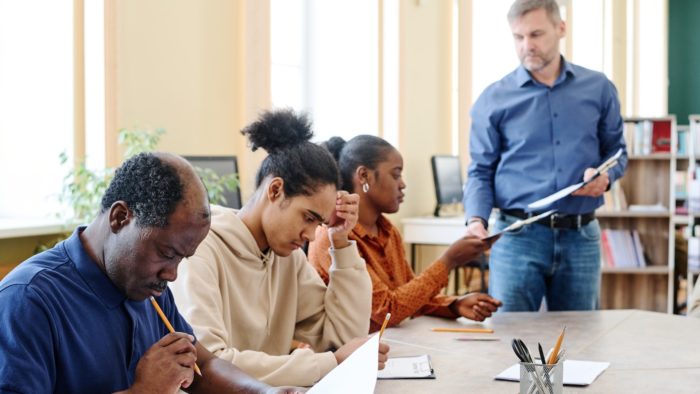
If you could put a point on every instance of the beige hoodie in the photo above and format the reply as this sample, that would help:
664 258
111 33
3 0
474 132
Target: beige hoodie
246 307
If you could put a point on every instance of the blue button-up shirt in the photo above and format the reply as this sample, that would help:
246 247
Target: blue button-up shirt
67 329
529 140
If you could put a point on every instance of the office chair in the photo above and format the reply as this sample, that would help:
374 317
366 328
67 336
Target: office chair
466 271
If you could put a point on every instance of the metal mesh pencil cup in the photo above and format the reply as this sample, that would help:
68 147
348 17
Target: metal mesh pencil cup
542 379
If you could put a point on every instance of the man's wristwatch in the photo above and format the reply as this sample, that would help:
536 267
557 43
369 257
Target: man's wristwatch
478 219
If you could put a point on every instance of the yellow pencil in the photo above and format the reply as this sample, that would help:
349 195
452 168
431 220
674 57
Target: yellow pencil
386 321
469 330
557 346
169 326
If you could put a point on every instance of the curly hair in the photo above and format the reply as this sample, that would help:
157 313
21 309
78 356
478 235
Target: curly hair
362 150
150 187
303 165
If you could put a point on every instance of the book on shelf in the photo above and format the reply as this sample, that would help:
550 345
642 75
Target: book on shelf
693 188
644 137
680 185
638 249
605 250
661 136
622 249
682 133
649 208
694 253
614 200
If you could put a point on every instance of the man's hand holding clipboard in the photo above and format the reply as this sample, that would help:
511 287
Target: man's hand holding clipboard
596 180
593 186
517 224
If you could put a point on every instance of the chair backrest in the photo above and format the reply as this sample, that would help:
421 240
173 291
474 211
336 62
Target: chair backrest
221 165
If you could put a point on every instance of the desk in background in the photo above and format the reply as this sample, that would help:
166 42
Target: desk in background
441 231
431 230
648 352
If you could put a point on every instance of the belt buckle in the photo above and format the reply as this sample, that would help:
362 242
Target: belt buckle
553 220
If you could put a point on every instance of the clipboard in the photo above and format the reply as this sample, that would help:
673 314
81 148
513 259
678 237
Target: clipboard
518 224
602 169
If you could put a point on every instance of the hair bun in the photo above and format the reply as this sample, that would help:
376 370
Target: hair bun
278 129
335 146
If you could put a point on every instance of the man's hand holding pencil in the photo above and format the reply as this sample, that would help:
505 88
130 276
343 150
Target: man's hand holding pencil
167 365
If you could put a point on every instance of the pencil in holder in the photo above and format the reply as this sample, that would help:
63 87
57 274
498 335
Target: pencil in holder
542 378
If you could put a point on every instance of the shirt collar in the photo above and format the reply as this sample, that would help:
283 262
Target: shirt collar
383 225
522 76
98 281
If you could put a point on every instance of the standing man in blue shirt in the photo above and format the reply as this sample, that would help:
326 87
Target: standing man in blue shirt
77 319
543 127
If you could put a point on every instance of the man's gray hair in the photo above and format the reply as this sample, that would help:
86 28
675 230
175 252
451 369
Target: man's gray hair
522 7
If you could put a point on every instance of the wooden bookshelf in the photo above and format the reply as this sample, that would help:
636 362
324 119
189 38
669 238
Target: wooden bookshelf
648 181
692 218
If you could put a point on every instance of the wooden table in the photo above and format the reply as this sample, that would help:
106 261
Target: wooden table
648 352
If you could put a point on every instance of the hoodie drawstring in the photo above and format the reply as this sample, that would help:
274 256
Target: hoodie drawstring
268 278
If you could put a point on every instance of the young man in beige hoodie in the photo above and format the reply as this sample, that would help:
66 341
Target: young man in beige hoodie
248 291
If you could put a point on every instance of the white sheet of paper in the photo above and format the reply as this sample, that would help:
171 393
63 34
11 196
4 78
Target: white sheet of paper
611 162
519 223
413 367
576 373
357 374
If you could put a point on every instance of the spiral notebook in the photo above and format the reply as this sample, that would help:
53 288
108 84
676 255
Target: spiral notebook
412 367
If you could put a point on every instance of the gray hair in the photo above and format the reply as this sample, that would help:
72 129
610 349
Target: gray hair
522 7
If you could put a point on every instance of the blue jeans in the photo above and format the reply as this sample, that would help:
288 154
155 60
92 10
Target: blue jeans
536 261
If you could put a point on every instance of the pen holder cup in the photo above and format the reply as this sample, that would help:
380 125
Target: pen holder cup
542 379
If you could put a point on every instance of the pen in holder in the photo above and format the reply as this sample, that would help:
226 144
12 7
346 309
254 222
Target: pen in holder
536 378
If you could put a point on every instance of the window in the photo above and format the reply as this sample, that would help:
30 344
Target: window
493 51
94 84
38 100
36 97
650 73
325 61
588 34
591 46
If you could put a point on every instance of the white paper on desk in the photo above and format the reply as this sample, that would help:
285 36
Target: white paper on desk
576 373
412 367
357 374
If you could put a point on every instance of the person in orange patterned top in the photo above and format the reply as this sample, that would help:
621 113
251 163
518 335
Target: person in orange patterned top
372 168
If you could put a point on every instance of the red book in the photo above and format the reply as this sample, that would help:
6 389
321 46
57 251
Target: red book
605 234
661 136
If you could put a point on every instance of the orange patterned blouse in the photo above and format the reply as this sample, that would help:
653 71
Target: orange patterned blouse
395 288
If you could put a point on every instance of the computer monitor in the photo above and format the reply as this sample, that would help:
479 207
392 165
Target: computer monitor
447 176
221 165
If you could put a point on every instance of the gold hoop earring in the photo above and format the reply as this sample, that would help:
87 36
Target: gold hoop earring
365 187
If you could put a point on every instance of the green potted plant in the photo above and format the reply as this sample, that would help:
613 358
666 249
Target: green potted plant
83 187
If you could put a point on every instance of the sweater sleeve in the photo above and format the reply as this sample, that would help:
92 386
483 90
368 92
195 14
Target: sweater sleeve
199 299
419 295
319 257
303 367
329 317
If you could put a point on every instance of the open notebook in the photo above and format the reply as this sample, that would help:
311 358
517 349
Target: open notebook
412 367
576 373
